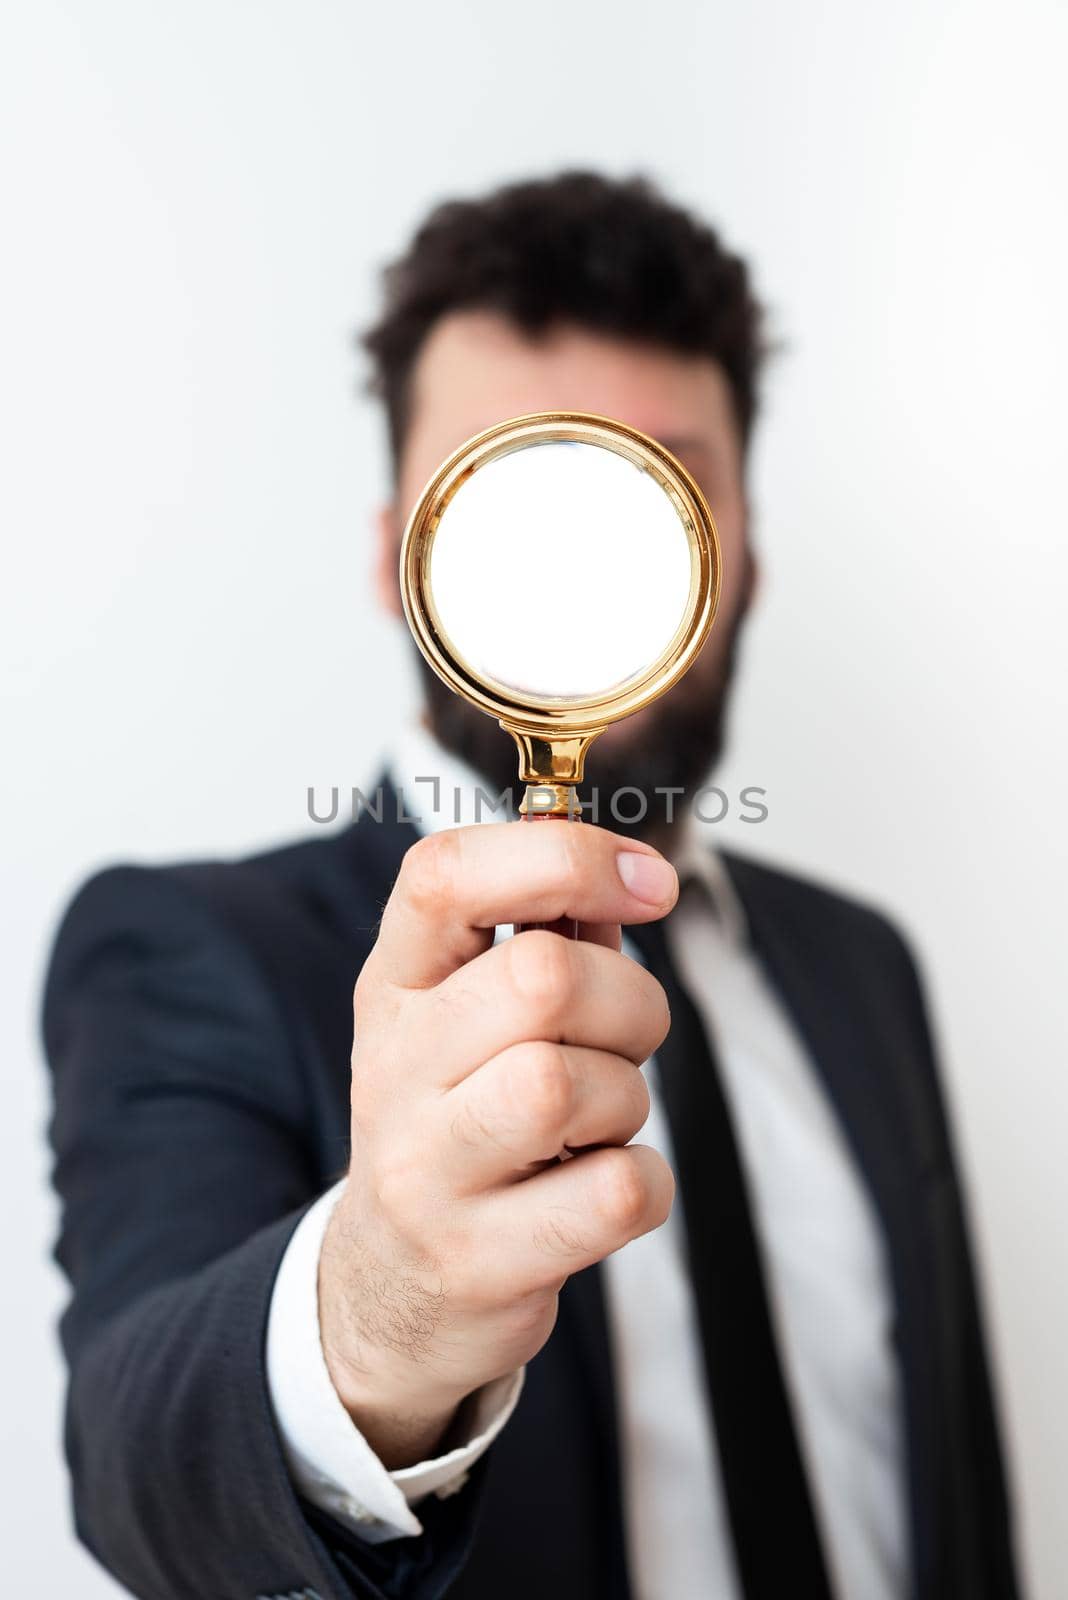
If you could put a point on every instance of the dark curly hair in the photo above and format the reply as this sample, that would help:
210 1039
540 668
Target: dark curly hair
612 255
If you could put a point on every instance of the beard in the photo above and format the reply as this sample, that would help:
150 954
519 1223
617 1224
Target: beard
677 743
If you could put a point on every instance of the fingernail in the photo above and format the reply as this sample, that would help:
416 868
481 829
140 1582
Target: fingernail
648 878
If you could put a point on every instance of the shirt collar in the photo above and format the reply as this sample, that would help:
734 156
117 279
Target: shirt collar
697 862
440 790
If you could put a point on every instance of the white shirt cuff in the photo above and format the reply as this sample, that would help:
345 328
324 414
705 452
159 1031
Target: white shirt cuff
329 1460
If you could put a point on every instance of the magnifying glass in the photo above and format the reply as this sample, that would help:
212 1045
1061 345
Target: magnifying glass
560 571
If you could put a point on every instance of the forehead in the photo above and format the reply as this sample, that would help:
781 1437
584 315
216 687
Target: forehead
477 368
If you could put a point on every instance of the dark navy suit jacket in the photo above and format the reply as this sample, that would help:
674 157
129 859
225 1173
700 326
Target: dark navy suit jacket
198 1023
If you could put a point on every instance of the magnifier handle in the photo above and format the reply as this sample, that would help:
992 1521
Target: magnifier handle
567 926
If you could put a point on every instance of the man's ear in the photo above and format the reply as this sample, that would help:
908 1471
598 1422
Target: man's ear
751 579
387 559
752 575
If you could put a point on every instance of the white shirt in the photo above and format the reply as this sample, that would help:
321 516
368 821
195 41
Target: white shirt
824 1263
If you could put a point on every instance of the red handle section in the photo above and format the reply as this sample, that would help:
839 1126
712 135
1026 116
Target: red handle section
567 926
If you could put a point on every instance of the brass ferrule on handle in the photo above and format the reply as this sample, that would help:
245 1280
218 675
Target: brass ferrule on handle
549 755
551 800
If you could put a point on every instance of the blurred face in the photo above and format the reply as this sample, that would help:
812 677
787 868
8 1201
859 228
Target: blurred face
476 369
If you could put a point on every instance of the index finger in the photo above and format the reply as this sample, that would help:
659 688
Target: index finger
455 887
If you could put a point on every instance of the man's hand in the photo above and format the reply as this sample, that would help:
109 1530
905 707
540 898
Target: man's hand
474 1067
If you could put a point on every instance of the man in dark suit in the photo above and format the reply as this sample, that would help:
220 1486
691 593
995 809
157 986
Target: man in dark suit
342 1323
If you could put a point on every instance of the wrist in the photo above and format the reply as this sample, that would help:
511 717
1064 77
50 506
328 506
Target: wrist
400 1428
385 1390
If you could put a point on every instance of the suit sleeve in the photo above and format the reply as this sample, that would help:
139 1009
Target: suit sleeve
183 1158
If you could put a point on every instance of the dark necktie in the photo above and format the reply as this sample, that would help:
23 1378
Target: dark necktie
776 1541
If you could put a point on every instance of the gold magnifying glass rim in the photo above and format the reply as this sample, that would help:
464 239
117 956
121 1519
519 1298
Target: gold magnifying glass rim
565 723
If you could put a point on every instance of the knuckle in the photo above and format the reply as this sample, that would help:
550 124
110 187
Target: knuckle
655 995
532 1315
624 1191
663 1196
399 1182
638 1092
657 1012
663 1022
546 1089
428 871
541 970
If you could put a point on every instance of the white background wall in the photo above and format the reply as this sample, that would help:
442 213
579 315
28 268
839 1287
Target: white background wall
196 199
